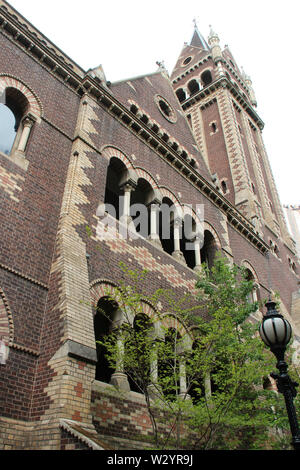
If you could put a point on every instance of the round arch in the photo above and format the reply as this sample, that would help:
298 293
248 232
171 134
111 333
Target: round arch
170 321
246 264
103 288
141 173
109 152
209 228
35 107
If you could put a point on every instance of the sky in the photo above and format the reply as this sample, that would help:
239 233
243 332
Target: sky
128 37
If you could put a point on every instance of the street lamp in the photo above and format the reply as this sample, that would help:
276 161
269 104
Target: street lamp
276 333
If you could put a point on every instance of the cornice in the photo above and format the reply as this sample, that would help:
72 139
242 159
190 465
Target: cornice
27 38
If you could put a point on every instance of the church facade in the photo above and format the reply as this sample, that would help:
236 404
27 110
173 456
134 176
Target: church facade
74 142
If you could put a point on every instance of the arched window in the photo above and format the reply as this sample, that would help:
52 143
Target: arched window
12 111
139 353
103 325
168 365
7 129
193 87
186 243
206 78
142 195
166 227
181 95
209 249
224 187
254 295
196 388
113 192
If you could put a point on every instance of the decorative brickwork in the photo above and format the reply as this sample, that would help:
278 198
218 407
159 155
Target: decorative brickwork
11 183
35 106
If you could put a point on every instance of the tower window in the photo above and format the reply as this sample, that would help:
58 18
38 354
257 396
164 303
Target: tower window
224 187
206 78
181 95
193 87
187 61
214 127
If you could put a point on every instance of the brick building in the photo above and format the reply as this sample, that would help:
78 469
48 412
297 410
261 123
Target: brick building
69 141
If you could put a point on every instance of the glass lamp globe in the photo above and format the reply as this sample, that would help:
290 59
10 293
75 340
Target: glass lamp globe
275 331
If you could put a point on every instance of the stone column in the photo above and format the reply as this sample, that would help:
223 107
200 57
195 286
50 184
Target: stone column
125 218
154 225
154 389
182 379
27 126
177 253
119 378
197 244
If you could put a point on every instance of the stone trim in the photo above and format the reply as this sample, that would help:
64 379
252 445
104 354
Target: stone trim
35 104
6 320
249 266
23 276
73 428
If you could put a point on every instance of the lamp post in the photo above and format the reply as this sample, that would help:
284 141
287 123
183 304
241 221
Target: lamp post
276 333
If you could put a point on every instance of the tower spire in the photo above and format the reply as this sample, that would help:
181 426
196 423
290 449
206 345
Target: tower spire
197 39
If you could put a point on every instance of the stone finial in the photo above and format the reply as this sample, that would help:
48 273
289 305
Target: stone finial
214 42
212 34
162 67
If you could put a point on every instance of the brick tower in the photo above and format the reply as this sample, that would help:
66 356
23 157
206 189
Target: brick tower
219 101
73 142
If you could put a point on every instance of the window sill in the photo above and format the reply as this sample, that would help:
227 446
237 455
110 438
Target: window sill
18 159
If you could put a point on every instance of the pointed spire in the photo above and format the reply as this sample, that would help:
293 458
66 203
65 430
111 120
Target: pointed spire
197 39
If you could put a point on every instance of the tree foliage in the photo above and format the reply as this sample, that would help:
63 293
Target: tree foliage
203 389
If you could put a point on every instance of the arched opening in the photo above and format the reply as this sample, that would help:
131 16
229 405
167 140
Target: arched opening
187 239
209 249
224 187
103 324
7 129
254 295
140 198
196 388
181 95
12 111
166 226
139 353
115 172
214 127
206 78
193 87
168 365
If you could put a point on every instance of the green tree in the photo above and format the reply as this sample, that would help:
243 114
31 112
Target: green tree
203 389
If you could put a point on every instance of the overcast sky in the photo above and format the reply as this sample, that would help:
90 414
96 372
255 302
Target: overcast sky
128 37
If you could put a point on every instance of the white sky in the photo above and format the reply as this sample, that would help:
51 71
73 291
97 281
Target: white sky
128 36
